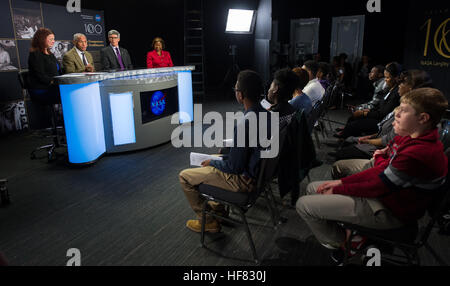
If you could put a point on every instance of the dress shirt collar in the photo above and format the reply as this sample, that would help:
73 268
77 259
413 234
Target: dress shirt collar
80 54
114 48
78 51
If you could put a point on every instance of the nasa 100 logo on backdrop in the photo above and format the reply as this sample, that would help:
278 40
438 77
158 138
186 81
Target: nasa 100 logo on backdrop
93 29
73 6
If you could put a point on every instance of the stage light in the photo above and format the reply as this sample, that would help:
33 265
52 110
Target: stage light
240 21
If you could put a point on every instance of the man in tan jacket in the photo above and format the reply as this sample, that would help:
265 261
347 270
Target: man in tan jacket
78 60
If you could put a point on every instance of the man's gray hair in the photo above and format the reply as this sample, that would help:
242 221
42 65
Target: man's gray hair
77 36
113 32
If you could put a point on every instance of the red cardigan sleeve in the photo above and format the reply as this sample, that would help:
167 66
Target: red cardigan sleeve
169 60
149 60
370 187
413 161
366 184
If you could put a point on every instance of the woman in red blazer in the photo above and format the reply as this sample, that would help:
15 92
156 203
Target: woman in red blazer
158 58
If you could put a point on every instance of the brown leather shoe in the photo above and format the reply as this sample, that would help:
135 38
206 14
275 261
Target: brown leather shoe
195 225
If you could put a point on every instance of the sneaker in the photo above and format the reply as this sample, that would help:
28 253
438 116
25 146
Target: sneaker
196 226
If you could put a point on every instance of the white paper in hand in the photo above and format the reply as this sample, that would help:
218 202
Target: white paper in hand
266 104
198 158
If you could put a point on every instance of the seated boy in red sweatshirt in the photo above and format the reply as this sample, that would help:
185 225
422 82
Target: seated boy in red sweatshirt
400 186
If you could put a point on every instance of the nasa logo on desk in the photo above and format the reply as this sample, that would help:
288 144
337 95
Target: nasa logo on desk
158 102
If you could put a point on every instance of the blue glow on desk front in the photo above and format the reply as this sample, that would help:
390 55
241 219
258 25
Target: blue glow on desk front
83 120
185 100
122 118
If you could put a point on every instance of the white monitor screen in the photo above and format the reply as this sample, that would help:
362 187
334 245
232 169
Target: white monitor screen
240 21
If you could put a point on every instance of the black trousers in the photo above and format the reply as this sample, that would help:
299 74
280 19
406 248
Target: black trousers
351 152
46 96
360 126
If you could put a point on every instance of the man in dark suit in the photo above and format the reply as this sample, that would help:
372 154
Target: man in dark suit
114 57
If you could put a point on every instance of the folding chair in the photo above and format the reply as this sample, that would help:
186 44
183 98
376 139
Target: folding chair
313 117
243 201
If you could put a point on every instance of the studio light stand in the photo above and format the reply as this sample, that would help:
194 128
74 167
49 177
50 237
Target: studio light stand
233 70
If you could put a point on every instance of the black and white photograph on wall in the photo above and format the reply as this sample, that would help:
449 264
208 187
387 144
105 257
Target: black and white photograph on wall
8 55
6 27
12 117
60 48
26 22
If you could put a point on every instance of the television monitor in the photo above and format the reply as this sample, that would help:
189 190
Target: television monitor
158 104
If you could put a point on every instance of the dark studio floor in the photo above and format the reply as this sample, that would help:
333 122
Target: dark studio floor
128 209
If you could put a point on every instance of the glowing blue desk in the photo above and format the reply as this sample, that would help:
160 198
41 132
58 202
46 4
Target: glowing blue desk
122 111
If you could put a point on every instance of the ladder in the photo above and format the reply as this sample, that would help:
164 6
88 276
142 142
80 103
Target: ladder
194 49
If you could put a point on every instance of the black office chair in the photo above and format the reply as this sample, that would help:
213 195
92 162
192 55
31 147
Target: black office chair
409 239
322 111
327 102
343 92
243 201
50 148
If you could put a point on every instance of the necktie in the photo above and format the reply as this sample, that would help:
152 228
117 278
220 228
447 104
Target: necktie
84 59
119 58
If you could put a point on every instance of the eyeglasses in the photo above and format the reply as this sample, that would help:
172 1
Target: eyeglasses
235 89
113 37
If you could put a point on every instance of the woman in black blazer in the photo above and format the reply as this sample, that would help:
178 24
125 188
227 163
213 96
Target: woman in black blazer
43 67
